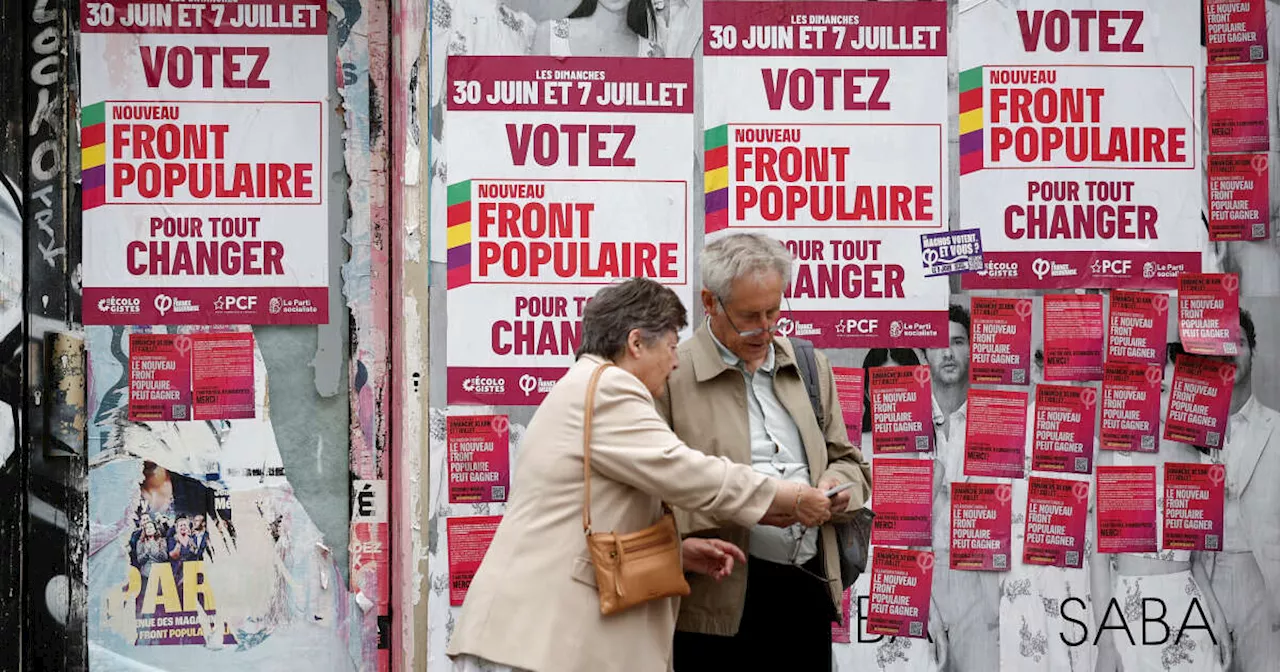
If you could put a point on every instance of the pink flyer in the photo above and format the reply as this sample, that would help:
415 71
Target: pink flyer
222 376
1000 346
1056 511
849 394
1193 506
995 442
903 502
1239 197
901 410
840 629
1073 337
1138 327
901 586
1237 100
159 377
1131 407
1063 440
1126 509
1199 401
1209 313
479 458
981 520
469 539
1235 30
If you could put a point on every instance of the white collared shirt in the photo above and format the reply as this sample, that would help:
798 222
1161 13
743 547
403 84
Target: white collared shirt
777 450
949 453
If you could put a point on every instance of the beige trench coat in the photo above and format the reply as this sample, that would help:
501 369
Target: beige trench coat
706 404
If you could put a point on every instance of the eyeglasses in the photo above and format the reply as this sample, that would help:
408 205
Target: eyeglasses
778 325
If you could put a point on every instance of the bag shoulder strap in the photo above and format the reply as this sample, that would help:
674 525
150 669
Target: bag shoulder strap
587 416
807 363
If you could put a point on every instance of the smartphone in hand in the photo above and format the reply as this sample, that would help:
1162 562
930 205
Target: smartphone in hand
838 489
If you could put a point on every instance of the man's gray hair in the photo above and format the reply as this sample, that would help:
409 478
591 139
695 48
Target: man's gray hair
742 255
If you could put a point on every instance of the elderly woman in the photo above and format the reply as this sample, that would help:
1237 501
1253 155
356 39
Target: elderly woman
533 604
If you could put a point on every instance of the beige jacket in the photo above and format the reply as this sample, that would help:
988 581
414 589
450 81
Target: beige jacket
533 603
706 405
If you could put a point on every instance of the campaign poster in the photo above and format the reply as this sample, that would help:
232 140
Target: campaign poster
1235 30
468 538
981 526
203 145
1000 344
849 382
574 174
825 126
840 630
1209 313
1078 158
903 502
168 587
1239 197
1199 401
950 252
1126 509
1131 407
901 409
1064 429
222 376
995 434
1193 506
1238 103
479 458
1073 337
159 377
1056 513
901 586
1137 328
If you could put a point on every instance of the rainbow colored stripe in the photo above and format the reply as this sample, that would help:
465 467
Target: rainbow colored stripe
716 178
971 121
93 155
458 235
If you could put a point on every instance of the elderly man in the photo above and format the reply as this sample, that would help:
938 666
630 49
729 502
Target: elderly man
738 393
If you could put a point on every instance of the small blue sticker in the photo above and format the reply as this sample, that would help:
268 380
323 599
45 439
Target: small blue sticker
951 252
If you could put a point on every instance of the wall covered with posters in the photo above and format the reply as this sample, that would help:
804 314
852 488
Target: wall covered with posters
1059 212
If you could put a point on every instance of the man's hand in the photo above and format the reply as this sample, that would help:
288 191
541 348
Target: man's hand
839 503
713 557
813 508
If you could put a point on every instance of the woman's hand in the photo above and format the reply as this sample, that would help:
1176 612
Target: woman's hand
713 557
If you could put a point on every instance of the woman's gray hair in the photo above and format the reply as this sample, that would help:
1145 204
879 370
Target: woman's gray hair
639 303
742 255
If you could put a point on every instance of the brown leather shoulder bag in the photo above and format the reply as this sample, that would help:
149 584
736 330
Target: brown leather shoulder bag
635 567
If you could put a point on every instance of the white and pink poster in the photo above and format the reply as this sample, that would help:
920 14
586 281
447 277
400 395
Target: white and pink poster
1126 509
1193 506
1236 30
1000 344
1064 429
995 434
574 174
1238 104
981 526
903 502
1131 407
901 409
1239 197
830 135
479 458
849 382
1056 512
159 377
1209 313
468 539
222 376
1073 337
1138 327
901 586
204 154
1199 401
1079 153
